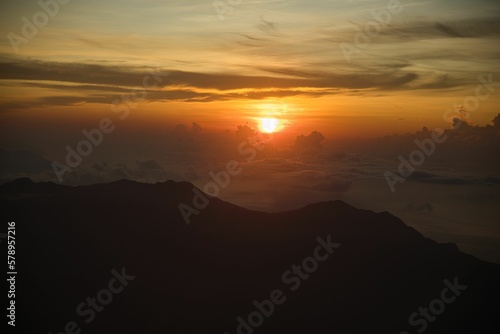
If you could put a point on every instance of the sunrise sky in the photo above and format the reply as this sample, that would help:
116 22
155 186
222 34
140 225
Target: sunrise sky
301 72
256 58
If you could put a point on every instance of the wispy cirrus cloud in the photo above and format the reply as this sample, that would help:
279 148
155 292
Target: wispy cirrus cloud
77 83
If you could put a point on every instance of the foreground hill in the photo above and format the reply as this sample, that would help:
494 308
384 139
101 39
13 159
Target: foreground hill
127 245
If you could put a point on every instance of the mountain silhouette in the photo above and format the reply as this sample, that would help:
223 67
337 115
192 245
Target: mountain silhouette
216 274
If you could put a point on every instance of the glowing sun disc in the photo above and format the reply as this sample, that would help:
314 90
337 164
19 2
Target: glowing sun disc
269 125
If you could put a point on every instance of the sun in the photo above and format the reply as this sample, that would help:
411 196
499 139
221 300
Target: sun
269 125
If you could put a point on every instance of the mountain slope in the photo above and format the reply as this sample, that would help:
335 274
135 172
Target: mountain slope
201 277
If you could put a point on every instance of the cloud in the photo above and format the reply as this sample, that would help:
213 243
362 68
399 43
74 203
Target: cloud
407 31
266 26
311 141
105 82
448 30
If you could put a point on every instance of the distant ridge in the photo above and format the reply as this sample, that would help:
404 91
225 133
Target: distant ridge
200 278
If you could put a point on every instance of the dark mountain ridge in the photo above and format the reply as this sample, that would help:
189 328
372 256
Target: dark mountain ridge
201 277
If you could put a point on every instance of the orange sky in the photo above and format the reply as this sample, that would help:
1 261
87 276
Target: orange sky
283 58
